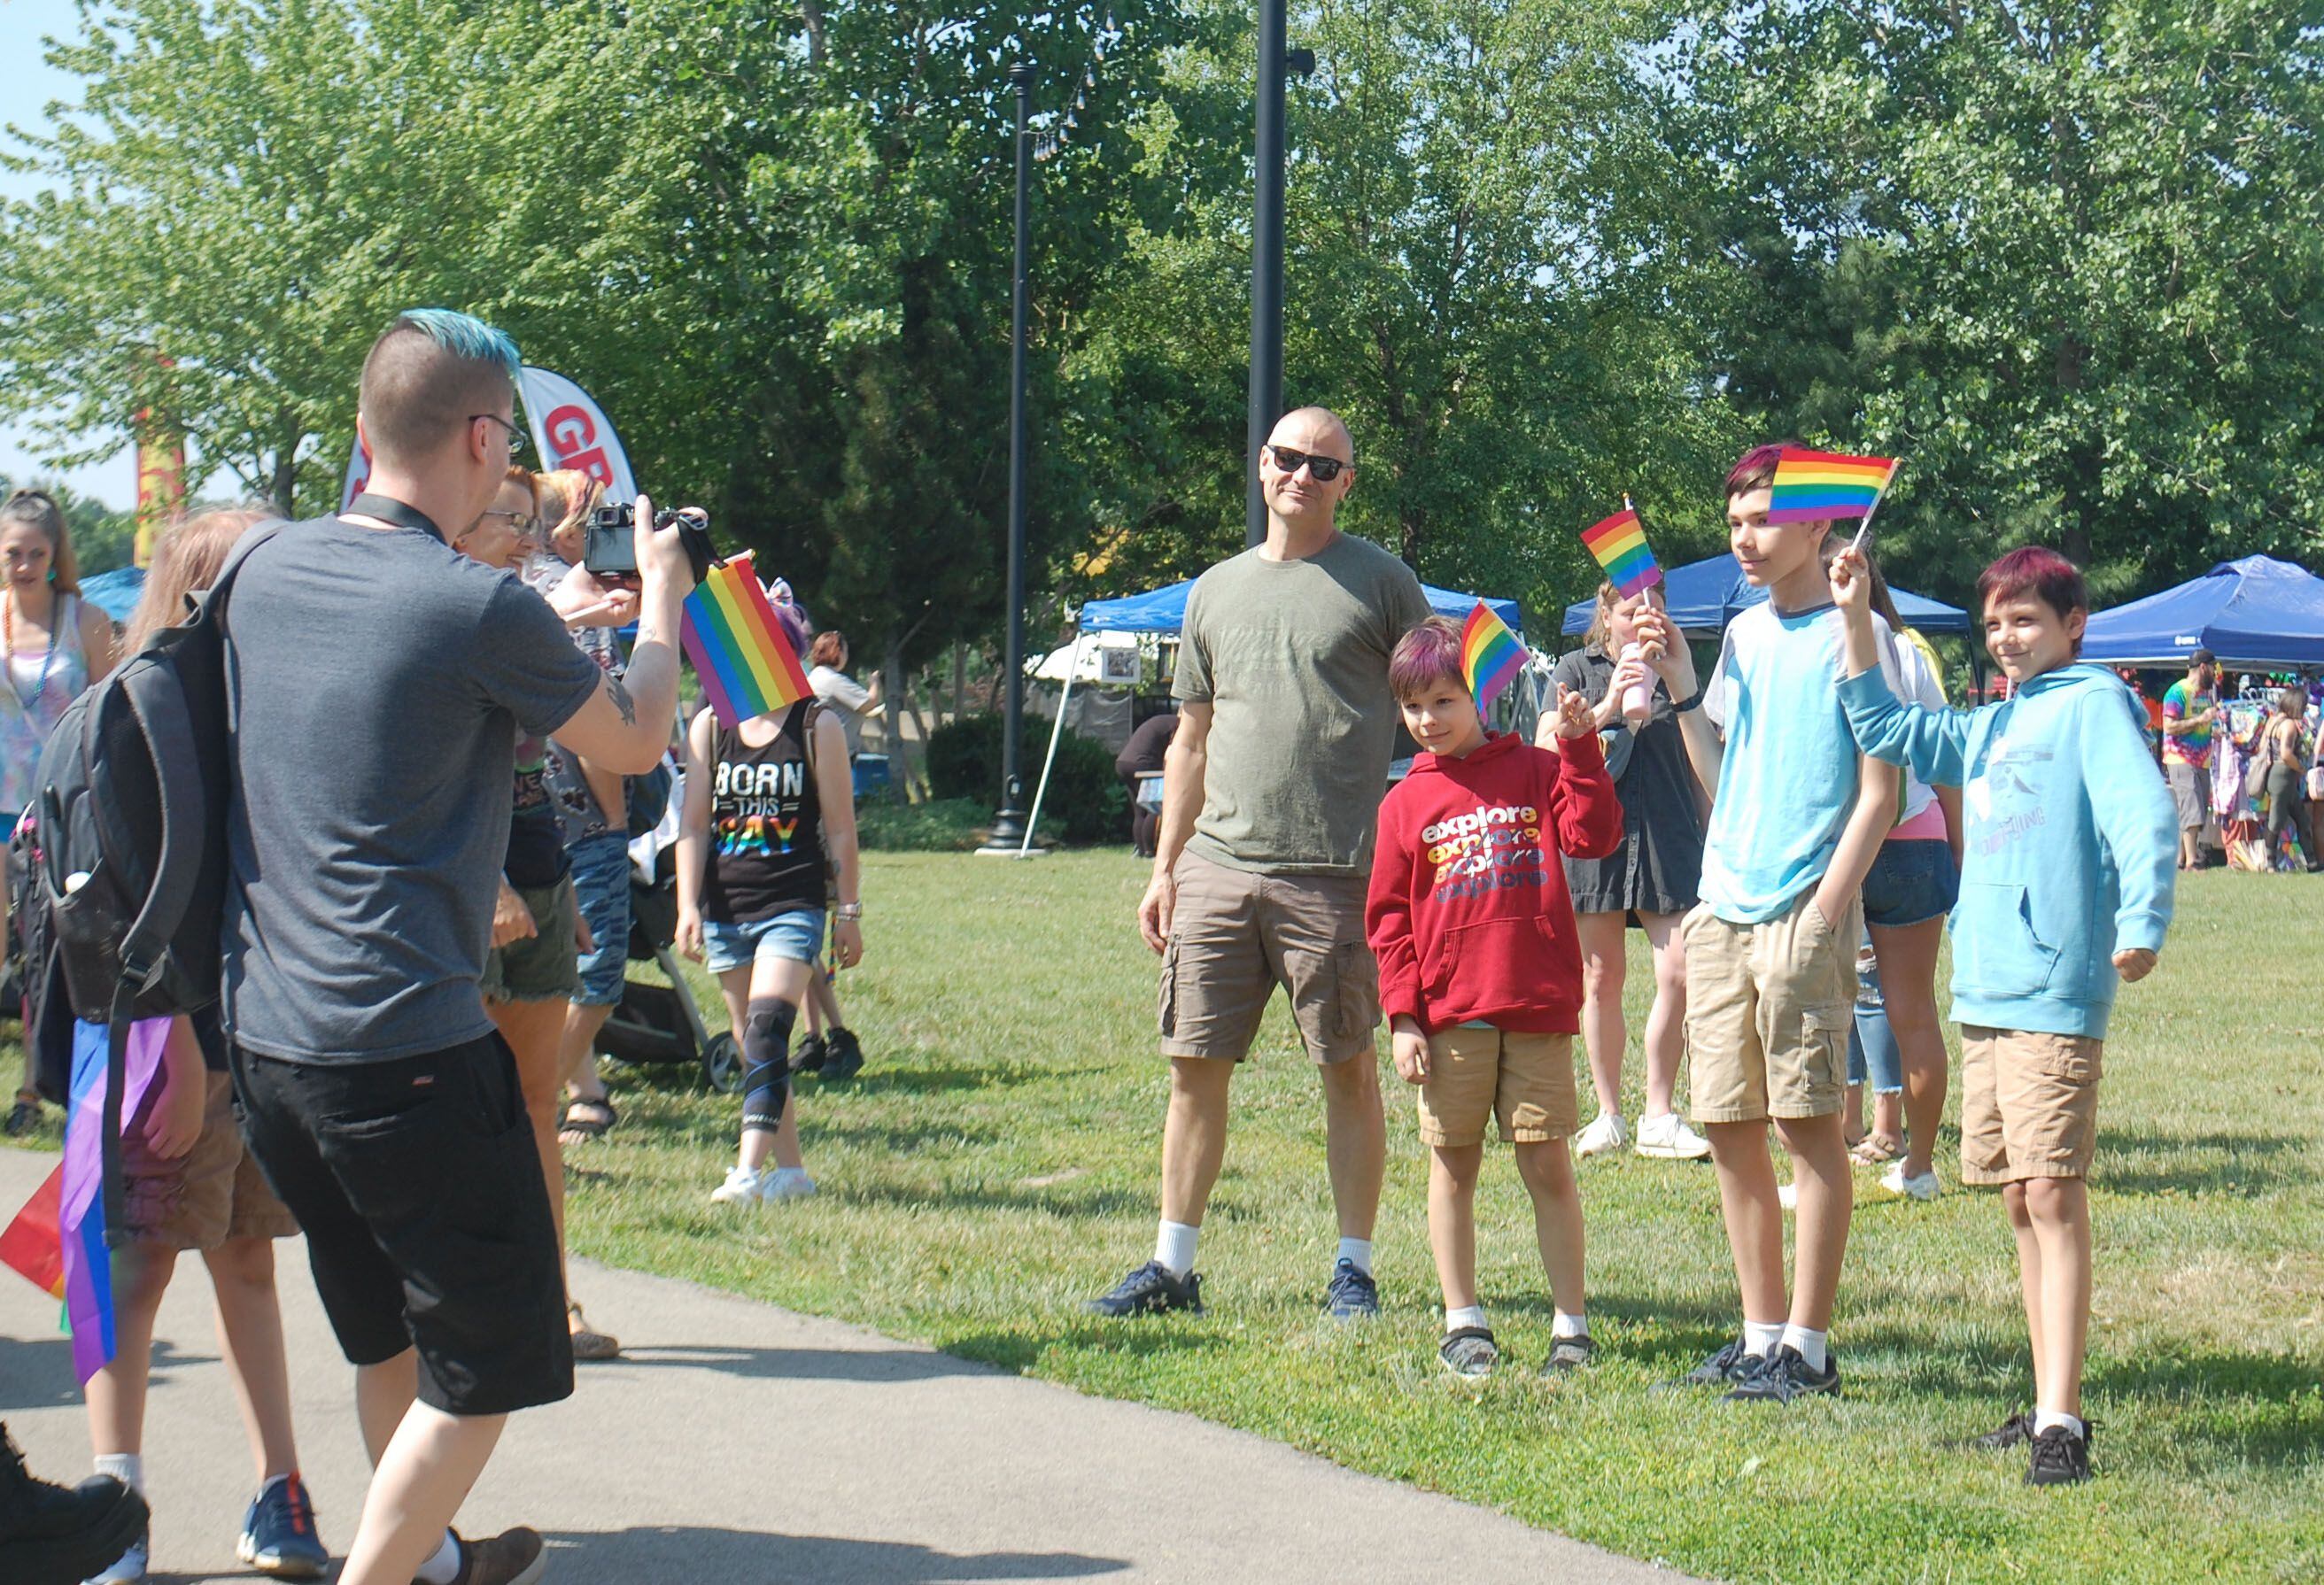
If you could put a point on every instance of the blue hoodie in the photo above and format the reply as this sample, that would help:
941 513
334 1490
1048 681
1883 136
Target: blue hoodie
2070 845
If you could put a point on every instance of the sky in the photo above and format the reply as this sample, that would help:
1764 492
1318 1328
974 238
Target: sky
33 83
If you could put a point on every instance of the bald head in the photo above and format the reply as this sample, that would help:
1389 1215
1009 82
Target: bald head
1317 430
1304 471
427 378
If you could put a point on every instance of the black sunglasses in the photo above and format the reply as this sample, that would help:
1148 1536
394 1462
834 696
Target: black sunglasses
516 436
1324 469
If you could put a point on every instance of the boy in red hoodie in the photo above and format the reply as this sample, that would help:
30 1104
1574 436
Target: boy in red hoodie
1481 968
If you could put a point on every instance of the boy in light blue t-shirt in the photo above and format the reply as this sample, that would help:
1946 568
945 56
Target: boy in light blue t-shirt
1797 816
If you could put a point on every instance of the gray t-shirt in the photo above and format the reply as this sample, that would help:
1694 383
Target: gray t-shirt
1292 657
379 682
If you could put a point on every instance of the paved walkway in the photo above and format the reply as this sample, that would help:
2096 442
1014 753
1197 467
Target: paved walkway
740 1444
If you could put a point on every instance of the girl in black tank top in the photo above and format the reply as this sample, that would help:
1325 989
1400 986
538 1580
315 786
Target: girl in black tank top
766 826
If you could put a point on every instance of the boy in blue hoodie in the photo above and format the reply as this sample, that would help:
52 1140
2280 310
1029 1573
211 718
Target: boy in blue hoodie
2066 884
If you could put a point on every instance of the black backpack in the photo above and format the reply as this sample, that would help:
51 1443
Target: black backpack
127 847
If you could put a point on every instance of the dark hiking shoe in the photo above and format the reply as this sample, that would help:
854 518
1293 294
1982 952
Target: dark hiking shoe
1469 1351
1569 1354
1150 1290
2060 1458
1719 1370
2011 1432
513 1557
1353 1295
51 1532
808 1055
1787 1377
846 1057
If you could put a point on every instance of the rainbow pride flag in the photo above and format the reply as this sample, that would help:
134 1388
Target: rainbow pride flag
1814 486
747 666
1490 655
1619 544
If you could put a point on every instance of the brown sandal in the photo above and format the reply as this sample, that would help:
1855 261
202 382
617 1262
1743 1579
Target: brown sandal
587 1342
1878 1149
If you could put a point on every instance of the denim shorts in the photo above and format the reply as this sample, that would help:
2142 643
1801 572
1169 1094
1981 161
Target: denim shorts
795 937
601 885
1911 882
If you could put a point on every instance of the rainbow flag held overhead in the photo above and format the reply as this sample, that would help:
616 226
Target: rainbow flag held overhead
1490 655
1816 486
1619 544
747 666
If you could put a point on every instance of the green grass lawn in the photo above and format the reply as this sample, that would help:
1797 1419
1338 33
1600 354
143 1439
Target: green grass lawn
994 1166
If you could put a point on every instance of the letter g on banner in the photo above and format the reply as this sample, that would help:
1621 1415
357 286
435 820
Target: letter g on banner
572 432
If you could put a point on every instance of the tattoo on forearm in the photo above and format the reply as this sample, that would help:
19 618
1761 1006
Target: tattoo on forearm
622 701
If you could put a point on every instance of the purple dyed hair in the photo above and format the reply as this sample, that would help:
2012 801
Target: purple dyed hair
1428 653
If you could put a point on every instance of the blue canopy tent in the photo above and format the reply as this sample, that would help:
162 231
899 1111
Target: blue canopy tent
115 593
1706 595
1163 611
2257 612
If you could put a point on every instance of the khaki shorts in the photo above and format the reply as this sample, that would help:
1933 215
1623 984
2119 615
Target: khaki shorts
1235 935
1768 1011
543 966
1523 1081
212 1194
2029 1104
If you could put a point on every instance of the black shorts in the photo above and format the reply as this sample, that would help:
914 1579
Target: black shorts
426 1217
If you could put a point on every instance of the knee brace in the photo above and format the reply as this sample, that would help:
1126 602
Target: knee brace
766 1060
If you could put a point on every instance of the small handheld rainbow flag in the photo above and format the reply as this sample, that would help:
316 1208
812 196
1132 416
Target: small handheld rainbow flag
1812 487
1619 544
1490 655
747 666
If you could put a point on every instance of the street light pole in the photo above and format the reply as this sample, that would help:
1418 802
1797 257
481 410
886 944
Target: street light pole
1009 822
1268 153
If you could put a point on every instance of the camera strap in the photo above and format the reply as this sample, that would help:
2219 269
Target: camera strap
388 509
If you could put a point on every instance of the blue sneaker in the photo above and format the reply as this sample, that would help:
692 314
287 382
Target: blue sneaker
1353 1295
278 1533
1150 1290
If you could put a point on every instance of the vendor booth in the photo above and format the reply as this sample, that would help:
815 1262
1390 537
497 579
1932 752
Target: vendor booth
1705 596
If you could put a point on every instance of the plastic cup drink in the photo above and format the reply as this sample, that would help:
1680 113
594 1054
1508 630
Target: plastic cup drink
1638 698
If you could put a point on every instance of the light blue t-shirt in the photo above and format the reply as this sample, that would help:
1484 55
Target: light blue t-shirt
1788 781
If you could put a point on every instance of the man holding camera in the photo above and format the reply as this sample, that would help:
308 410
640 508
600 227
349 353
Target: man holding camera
380 683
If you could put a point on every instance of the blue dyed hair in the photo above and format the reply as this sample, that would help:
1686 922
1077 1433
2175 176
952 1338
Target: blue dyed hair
464 335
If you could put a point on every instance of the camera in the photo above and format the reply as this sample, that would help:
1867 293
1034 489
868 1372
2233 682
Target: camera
609 544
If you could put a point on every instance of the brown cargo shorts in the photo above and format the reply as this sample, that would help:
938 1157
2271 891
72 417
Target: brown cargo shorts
1768 1011
2029 1104
1236 935
213 1192
1524 1083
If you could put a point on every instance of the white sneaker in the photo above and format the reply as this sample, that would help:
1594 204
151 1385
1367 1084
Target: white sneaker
1788 1196
1921 1186
786 1182
1605 1135
744 1186
1669 1139
129 1569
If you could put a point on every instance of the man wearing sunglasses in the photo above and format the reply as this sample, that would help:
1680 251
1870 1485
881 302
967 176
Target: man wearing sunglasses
1270 792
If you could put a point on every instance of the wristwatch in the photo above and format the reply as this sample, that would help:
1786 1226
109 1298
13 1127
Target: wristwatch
847 910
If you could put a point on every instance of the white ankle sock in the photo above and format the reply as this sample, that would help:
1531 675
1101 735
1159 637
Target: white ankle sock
444 1567
129 1469
1357 1252
1815 1347
1563 1325
1174 1247
2045 1418
1762 1337
1467 1315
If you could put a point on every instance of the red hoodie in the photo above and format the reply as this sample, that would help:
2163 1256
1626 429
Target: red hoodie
1469 913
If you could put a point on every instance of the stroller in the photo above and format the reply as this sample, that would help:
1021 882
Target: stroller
663 1023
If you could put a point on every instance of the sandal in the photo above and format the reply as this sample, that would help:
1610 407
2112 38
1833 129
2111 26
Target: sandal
587 1342
1878 1149
574 1127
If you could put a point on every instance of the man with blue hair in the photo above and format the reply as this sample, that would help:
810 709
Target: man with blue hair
380 682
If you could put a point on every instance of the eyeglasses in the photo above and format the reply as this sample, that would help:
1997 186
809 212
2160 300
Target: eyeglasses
1323 469
522 524
516 437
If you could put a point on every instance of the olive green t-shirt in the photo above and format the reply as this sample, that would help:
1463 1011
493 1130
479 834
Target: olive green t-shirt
1292 657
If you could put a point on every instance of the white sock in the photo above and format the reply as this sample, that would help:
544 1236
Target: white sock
1174 1247
1565 1325
1358 1253
1761 1338
1467 1315
444 1567
2045 1418
1815 1347
129 1469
